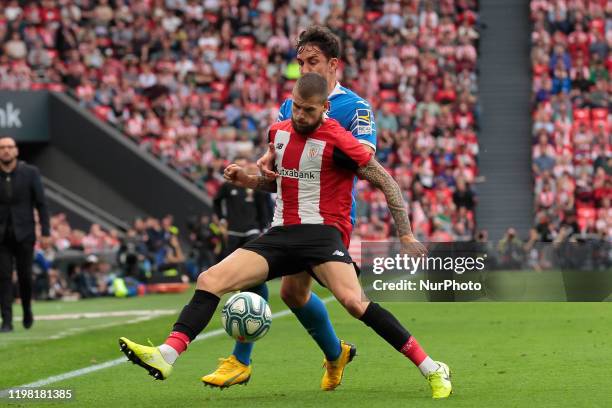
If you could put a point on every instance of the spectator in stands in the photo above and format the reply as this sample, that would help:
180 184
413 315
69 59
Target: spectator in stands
207 242
16 48
461 233
173 264
156 240
386 120
543 163
535 256
463 196
570 223
131 255
41 270
546 230
510 250
85 278
58 287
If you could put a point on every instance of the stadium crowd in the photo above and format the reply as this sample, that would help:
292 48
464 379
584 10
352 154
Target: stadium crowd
196 83
79 264
572 97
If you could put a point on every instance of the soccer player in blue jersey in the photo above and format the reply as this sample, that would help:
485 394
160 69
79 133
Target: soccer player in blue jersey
318 51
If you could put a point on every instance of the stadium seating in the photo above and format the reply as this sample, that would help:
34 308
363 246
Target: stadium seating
197 86
571 65
146 253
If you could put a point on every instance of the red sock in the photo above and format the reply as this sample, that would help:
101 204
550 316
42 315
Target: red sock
178 341
412 349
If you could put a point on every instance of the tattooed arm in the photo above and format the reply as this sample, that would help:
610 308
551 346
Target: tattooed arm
265 184
378 176
238 177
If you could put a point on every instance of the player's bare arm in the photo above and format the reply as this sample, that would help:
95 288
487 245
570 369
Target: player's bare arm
378 176
239 177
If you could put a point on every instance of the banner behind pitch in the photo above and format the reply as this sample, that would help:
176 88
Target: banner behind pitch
24 115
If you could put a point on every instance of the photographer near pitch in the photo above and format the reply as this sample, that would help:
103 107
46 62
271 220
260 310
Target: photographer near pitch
21 191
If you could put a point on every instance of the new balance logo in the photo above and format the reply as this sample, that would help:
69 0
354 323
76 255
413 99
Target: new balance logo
339 253
9 116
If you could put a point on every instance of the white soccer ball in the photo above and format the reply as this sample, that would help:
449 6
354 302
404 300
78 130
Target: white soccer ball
246 317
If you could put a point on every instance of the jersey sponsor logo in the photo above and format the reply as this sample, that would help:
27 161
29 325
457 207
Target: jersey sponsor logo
339 253
364 122
309 175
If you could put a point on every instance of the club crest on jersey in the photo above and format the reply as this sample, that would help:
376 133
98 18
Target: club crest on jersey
313 152
364 122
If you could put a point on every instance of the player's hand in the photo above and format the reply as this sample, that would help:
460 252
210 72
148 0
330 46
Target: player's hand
236 175
266 163
412 247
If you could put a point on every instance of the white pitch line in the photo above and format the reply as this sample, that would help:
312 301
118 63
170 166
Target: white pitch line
112 363
74 330
96 315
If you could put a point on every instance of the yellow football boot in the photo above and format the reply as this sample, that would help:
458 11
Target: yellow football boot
334 370
440 382
229 372
147 357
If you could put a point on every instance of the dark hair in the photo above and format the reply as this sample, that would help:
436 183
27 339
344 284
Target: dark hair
312 84
322 38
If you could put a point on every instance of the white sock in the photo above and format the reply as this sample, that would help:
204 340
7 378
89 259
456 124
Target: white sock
428 366
168 353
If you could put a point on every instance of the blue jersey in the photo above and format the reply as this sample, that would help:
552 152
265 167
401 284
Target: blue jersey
353 113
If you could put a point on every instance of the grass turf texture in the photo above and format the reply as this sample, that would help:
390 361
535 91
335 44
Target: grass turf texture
502 354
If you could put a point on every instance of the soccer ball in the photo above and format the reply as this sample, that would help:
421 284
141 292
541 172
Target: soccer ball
246 317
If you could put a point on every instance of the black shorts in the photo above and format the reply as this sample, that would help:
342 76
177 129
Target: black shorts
297 248
234 242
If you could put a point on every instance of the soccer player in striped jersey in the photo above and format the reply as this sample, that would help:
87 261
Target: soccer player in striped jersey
318 50
315 159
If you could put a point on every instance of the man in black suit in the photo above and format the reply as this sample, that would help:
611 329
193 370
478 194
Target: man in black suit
20 192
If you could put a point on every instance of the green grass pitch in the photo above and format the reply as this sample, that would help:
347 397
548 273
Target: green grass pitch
501 354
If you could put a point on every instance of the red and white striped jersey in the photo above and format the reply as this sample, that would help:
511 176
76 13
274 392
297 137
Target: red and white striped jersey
316 174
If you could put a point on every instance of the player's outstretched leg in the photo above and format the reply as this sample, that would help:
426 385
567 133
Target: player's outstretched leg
342 281
241 269
236 369
389 328
312 314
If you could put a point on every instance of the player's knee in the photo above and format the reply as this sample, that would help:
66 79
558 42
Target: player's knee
353 304
212 281
294 296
